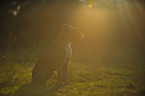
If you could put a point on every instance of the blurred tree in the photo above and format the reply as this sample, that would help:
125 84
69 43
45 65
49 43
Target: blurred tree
20 20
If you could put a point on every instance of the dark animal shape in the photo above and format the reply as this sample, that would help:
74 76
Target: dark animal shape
56 57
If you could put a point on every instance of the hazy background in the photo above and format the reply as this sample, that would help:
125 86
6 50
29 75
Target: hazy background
114 29
109 60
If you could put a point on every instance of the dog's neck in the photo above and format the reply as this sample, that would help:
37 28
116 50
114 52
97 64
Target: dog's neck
61 41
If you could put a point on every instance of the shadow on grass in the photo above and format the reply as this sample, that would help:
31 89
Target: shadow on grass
5 84
33 90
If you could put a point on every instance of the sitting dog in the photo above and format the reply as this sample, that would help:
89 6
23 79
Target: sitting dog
56 57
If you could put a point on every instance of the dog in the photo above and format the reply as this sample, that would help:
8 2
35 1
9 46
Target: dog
57 56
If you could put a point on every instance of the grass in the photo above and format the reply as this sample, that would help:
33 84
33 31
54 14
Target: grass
85 79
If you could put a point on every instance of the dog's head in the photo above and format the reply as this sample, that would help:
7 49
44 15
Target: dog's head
71 33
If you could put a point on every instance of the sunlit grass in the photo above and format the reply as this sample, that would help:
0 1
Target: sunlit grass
83 81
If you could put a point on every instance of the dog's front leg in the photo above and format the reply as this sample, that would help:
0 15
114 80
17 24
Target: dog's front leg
60 75
64 69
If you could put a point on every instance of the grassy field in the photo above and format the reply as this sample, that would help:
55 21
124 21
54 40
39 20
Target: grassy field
86 78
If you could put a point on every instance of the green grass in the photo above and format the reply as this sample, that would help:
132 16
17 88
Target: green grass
85 79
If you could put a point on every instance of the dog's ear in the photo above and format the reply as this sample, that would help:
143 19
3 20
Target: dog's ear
65 27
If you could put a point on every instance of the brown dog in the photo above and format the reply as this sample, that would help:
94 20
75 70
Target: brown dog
56 57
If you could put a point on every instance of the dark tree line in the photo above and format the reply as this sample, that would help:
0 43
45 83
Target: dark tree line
21 23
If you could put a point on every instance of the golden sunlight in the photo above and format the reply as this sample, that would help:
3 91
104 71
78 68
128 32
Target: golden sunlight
90 5
42 52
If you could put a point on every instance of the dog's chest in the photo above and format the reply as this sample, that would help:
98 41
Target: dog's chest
68 52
